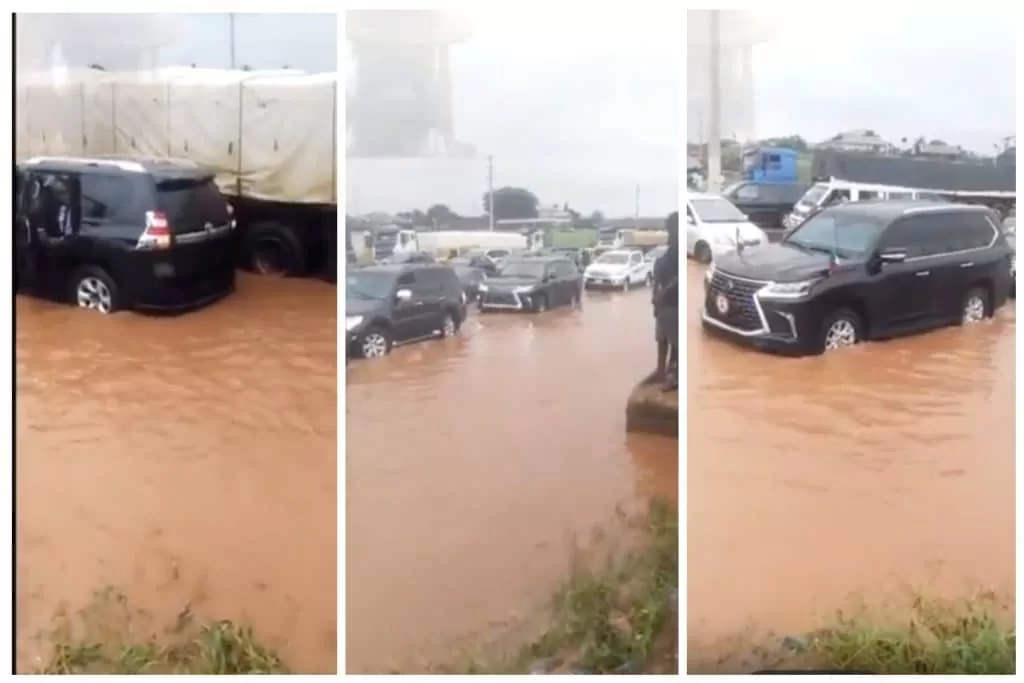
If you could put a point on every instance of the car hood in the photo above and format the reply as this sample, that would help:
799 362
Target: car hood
778 262
607 269
511 282
748 231
363 306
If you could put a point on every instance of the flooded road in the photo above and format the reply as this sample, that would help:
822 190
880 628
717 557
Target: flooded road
472 464
814 482
184 460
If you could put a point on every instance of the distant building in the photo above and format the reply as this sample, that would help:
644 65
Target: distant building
866 141
938 149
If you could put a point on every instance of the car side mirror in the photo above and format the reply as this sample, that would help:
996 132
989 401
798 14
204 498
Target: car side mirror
403 295
892 255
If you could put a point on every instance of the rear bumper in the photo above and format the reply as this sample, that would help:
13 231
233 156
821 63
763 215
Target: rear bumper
179 294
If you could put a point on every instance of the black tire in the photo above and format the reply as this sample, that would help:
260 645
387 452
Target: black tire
986 302
456 325
836 316
540 304
365 337
702 253
273 249
108 290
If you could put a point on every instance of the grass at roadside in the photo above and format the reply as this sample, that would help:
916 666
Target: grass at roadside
938 638
109 637
619 618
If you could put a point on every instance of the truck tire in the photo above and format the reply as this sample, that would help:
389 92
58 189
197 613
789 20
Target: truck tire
274 249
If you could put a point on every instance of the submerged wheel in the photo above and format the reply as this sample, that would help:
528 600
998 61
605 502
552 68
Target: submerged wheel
94 289
702 253
374 343
975 308
840 330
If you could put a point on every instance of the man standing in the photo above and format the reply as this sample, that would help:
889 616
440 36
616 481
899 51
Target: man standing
666 307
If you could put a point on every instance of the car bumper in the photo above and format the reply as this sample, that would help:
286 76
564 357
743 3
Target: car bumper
603 282
781 326
506 301
179 294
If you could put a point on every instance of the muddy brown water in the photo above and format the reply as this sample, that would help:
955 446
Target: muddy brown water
184 460
822 483
475 463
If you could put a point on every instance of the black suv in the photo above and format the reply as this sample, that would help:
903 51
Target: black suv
397 304
859 271
111 233
533 284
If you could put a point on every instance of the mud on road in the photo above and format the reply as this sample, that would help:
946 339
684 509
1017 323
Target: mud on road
816 483
474 464
184 460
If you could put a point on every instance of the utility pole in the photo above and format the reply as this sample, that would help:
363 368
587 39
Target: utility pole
636 208
490 191
231 37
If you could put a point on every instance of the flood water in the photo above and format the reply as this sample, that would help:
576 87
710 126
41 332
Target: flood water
818 483
474 462
184 460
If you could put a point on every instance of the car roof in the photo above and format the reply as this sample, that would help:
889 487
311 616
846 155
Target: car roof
166 167
398 268
890 209
542 257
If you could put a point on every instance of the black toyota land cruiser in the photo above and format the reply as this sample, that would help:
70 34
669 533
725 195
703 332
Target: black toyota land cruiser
863 270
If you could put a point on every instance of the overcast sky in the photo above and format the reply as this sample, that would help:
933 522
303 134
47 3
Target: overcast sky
947 77
576 109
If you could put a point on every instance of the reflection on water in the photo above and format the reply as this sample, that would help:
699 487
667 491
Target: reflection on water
884 467
184 459
472 463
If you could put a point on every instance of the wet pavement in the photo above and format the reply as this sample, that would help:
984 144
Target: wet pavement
184 460
474 464
817 483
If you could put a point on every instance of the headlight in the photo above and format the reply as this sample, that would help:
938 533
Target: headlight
710 272
787 290
352 321
481 287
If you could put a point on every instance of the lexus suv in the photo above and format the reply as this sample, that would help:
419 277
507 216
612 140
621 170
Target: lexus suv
387 305
862 270
532 284
111 233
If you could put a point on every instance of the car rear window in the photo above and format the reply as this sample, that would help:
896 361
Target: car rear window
191 203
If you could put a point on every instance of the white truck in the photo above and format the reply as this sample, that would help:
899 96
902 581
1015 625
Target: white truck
270 136
393 240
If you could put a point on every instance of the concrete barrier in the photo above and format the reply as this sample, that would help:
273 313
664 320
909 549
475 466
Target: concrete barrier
650 410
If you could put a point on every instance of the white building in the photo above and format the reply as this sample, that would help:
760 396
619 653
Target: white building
867 141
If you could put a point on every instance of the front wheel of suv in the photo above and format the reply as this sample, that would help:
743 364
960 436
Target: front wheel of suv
375 342
975 307
841 329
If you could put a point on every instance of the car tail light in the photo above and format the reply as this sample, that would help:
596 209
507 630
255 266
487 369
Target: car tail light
157 234
231 215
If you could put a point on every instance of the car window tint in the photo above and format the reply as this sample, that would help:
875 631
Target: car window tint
406 280
749 192
428 281
909 234
977 230
104 197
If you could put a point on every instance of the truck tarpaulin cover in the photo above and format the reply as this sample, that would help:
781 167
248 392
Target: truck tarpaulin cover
926 174
267 134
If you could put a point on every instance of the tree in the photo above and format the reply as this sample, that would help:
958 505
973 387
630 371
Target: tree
439 214
512 203
596 217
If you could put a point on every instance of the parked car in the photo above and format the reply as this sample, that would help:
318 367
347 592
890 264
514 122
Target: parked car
386 305
471 279
619 269
120 233
477 260
714 227
862 271
654 254
1011 239
764 203
533 284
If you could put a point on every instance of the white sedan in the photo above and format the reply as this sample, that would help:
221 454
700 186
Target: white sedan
618 269
714 226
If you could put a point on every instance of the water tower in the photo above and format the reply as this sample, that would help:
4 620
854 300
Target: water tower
399 93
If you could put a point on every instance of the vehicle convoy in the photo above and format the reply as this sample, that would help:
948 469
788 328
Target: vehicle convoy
533 284
111 234
400 304
866 270
268 136
714 227
766 204
620 269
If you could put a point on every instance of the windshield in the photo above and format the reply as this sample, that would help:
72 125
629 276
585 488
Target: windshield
530 269
368 284
613 257
844 233
717 210
814 195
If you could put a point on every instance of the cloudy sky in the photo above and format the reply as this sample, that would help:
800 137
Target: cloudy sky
947 77
576 109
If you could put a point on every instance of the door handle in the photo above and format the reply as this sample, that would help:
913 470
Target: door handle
923 273
967 265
